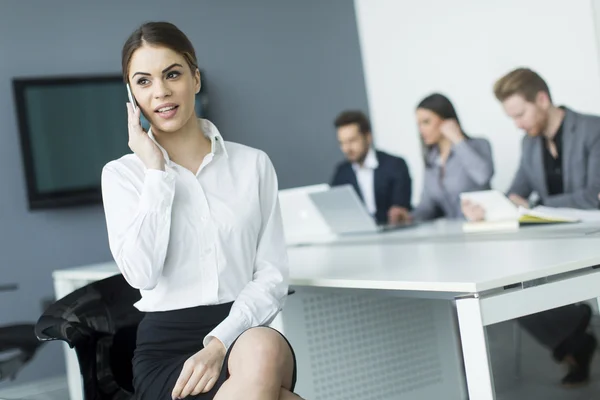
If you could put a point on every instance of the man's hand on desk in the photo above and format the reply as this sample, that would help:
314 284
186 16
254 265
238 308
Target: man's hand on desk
472 211
518 200
397 215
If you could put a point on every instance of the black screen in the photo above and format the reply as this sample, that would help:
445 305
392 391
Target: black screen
70 128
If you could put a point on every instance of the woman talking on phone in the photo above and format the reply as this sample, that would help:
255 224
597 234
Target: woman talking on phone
194 224
454 162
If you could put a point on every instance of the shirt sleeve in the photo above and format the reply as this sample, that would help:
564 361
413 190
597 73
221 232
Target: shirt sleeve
476 158
263 297
427 208
138 220
585 197
401 185
521 184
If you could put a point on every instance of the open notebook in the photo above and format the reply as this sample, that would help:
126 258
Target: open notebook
502 214
547 215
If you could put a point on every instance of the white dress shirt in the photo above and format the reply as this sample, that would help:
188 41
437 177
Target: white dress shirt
365 177
208 238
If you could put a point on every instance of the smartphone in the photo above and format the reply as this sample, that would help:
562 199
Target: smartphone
131 99
143 121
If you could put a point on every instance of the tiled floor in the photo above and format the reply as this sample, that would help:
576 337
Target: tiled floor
540 375
532 391
61 394
51 389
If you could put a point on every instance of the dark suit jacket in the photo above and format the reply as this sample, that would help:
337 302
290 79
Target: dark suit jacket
392 183
580 159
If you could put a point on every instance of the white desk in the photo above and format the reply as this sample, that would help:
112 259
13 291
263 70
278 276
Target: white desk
355 289
451 231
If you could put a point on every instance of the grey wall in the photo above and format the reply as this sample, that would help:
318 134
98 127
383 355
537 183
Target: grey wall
277 71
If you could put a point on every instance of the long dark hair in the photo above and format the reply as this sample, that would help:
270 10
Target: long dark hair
440 105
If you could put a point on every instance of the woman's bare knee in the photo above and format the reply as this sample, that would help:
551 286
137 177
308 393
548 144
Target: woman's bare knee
262 355
285 394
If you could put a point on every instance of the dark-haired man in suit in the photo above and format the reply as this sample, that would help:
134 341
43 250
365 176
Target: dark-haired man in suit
381 180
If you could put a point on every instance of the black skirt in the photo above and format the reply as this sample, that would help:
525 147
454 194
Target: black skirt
166 339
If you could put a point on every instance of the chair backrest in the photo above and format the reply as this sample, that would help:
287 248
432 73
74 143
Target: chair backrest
101 306
90 320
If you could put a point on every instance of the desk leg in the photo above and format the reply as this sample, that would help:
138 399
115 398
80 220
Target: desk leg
63 287
480 381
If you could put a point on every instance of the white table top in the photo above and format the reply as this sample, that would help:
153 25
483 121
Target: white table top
430 258
451 231
461 267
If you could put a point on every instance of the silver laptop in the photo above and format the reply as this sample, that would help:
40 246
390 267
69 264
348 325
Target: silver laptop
345 213
302 222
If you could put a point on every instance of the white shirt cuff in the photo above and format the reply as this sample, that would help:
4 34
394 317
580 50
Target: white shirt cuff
229 330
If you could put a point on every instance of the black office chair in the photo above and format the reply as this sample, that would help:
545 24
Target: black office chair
100 322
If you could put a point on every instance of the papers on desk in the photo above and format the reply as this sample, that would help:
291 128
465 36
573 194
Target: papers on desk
502 215
496 205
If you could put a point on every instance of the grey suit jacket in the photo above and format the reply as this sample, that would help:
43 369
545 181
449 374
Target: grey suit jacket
581 165
469 168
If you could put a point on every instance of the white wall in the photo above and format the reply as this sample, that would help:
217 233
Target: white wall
460 47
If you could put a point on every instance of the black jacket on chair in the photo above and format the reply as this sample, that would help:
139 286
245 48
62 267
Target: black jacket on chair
392 183
100 322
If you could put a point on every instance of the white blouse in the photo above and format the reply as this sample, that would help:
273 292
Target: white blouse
365 177
214 237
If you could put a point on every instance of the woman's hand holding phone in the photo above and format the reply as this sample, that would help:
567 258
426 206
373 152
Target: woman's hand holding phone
451 131
141 144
